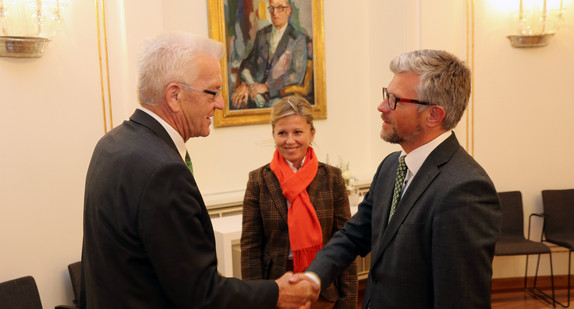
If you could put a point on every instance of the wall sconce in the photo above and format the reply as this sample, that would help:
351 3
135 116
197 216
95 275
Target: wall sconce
536 22
26 26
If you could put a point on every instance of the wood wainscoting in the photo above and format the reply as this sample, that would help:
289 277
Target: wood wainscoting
517 283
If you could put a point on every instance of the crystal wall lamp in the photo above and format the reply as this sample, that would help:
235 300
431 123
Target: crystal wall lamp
26 26
536 22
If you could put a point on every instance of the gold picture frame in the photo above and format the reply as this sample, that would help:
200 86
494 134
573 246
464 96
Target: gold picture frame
229 30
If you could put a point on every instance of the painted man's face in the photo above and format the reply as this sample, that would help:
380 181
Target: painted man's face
280 11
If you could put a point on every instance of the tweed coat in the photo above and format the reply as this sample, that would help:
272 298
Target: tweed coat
265 236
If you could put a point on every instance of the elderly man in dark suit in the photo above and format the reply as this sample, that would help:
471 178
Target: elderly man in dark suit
148 239
431 230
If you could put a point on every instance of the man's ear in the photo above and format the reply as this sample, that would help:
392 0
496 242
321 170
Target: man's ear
172 97
436 116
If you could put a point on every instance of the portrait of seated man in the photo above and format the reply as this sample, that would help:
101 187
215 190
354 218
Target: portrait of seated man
277 63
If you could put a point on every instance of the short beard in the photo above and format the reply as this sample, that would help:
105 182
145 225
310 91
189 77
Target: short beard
395 138
392 138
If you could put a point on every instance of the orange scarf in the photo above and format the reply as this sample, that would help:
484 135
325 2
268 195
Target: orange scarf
305 233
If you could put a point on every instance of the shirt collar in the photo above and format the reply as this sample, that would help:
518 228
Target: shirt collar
293 167
280 30
417 157
175 136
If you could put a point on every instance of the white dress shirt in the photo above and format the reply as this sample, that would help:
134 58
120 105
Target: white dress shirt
417 157
276 35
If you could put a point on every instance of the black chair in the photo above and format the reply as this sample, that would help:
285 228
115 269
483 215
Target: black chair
75 270
21 293
559 223
512 241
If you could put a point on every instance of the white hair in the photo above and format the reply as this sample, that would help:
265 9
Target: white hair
171 57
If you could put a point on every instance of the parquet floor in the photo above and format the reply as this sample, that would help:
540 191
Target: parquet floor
509 300
524 300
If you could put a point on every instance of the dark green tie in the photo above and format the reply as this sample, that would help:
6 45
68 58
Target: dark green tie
188 162
401 172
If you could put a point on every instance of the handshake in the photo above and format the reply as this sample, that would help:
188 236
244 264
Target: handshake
297 291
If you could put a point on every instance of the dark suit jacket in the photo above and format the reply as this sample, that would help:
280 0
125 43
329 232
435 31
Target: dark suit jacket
287 66
265 236
148 239
437 250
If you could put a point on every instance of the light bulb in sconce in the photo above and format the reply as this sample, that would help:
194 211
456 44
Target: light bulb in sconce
47 16
4 15
28 26
535 22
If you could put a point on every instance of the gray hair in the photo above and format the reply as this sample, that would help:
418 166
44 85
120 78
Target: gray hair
293 105
444 80
171 57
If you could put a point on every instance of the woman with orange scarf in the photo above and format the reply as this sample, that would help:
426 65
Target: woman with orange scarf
293 206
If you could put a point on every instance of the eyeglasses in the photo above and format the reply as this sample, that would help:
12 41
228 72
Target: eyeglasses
393 99
278 8
213 93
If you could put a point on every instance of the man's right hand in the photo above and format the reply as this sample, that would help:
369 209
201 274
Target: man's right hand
296 295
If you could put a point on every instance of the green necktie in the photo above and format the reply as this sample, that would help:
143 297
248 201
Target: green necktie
188 162
401 172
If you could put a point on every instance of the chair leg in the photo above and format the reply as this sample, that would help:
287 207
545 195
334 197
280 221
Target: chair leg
526 274
569 277
538 293
569 284
536 274
552 280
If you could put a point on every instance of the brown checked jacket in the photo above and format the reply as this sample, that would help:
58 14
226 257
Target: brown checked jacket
265 236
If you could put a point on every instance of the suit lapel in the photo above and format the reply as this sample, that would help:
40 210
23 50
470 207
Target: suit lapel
313 188
148 121
417 187
279 200
266 45
422 180
276 193
384 203
282 45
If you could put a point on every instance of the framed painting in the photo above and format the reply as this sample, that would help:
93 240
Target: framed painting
273 49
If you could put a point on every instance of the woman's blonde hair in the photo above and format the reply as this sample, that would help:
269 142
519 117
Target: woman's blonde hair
293 105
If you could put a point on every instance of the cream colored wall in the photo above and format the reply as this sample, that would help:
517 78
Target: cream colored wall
51 117
52 109
524 109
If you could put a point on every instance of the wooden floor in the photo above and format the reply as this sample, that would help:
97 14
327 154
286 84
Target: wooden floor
524 300
517 299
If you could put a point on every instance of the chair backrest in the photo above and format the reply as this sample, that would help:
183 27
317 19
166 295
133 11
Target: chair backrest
75 270
21 293
559 211
512 213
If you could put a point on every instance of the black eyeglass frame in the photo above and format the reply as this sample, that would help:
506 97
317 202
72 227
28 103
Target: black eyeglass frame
393 106
279 8
213 93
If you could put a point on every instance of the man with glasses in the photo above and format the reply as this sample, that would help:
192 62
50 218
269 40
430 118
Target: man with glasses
277 59
148 239
431 217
